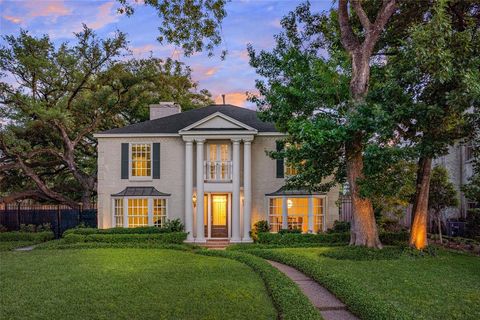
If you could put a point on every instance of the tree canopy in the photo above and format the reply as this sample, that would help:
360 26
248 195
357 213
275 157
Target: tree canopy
61 95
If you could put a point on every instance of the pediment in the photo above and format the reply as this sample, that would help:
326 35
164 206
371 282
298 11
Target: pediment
217 121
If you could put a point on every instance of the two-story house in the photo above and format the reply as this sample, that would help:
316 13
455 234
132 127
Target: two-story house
207 167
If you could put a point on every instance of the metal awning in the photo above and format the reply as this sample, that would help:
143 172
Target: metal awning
140 192
283 191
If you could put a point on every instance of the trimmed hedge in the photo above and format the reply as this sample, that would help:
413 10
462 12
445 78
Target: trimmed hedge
288 299
171 238
138 230
365 306
61 244
27 236
387 238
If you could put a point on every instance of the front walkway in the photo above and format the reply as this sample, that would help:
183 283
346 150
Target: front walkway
329 306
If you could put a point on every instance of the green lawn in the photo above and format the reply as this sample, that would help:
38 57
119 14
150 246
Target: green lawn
128 284
442 287
9 245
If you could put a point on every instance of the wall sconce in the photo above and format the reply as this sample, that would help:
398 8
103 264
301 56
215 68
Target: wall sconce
289 203
194 200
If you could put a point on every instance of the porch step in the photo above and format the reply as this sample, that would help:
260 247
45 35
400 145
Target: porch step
215 244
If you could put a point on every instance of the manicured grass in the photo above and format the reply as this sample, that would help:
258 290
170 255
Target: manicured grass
129 284
9 245
443 287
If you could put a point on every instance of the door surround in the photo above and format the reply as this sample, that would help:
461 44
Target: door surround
209 211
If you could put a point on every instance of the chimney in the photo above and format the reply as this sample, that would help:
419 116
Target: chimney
164 109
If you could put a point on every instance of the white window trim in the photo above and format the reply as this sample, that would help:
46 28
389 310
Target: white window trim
310 208
150 209
130 175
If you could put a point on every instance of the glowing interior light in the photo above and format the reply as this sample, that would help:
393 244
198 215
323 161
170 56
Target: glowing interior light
290 203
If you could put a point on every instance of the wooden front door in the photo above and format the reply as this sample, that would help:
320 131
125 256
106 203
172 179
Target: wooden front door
219 214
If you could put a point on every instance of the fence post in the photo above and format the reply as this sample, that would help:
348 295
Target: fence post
18 215
58 221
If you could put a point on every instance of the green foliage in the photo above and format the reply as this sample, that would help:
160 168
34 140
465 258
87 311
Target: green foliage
473 223
442 191
175 225
362 253
27 236
393 289
259 226
63 244
195 26
172 237
339 227
293 239
289 300
65 93
290 230
35 228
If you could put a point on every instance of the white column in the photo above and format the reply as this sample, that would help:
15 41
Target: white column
247 189
284 213
150 211
236 191
310 214
125 212
189 189
200 193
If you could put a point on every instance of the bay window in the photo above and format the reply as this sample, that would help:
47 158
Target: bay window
304 213
118 212
131 212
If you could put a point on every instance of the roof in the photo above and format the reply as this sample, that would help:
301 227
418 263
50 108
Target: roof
140 191
176 122
283 191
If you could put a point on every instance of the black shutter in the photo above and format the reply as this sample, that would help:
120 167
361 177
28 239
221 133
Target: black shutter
280 162
124 169
156 161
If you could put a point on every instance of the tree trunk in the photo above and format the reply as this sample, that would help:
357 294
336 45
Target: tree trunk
87 200
418 232
363 231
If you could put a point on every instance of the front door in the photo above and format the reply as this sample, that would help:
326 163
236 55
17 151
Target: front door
219 216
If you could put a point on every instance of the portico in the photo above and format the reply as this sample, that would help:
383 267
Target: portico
218 143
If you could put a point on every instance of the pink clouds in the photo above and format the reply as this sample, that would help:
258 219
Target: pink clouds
47 8
12 19
104 16
235 98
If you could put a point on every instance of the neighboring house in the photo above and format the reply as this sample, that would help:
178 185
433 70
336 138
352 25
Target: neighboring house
211 160
458 163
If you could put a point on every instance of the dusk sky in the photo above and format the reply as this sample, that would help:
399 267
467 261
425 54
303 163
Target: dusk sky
247 21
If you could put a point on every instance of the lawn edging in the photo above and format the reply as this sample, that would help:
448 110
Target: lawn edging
364 304
287 297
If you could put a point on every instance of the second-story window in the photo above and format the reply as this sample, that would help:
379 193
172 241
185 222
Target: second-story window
141 160
218 165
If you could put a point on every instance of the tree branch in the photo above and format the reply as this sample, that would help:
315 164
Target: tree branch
27 194
349 40
362 16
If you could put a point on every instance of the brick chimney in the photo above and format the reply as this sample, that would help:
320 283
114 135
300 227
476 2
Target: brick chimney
164 109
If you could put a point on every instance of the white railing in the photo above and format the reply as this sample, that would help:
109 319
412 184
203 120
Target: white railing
217 170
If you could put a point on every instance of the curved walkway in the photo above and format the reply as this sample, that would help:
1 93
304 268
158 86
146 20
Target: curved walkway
329 306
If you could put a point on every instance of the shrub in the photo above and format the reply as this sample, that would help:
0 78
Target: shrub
27 228
175 225
292 230
287 297
363 253
27 236
390 225
172 237
473 223
388 238
3 228
61 244
340 227
259 226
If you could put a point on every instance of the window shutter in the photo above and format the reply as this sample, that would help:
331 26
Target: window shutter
280 162
156 161
124 170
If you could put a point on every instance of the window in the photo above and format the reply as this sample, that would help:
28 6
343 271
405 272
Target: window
290 170
317 215
297 209
469 151
297 213
137 213
218 166
141 160
275 209
159 212
118 213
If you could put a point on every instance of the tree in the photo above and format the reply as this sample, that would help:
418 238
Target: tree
194 25
442 194
61 97
429 84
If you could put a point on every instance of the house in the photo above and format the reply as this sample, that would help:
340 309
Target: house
458 162
210 160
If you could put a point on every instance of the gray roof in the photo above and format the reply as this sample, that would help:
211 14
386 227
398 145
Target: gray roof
283 191
140 191
176 122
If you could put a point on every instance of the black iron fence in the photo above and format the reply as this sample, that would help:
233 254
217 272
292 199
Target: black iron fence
60 217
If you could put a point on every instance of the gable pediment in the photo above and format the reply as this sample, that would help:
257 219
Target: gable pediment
217 122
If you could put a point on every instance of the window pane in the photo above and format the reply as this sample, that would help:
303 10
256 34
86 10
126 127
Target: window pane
141 160
297 209
159 212
118 212
275 216
137 212
317 215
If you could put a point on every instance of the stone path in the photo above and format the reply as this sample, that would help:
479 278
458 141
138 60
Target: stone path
29 248
329 306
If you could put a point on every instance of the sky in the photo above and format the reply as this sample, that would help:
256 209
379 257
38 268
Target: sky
247 21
